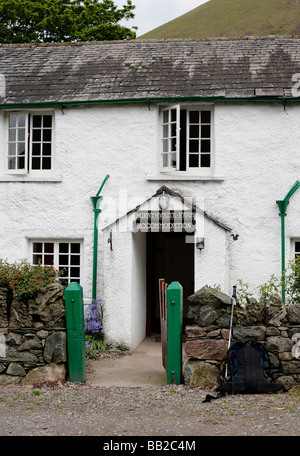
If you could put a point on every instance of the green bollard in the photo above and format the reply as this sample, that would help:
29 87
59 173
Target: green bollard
174 345
75 332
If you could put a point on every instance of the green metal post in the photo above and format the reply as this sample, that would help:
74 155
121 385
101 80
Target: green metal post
96 205
283 204
174 321
75 332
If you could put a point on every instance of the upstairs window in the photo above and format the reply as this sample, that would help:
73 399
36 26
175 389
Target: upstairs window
186 139
30 142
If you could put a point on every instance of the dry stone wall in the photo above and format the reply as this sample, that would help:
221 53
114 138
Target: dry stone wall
276 326
33 337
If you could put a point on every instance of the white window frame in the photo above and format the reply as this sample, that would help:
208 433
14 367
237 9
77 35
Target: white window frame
27 170
197 171
56 254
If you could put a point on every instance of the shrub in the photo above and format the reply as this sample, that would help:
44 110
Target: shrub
24 279
292 284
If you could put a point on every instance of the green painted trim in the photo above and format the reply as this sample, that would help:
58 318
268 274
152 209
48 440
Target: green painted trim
148 101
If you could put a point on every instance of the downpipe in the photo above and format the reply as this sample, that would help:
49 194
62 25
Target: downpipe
96 200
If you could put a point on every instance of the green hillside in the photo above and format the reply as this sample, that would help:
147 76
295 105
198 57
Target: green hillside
234 18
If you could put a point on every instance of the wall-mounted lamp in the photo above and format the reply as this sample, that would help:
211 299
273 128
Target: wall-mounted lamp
164 201
235 237
200 243
110 240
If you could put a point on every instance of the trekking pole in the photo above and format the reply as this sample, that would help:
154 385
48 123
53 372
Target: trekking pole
233 303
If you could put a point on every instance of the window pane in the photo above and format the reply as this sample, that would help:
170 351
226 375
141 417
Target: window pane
165 131
173 129
46 135
47 123
12 121
36 135
46 149
75 260
21 163
173 115
11 163
11 149
205 116
75 272
205 160
12 133
194 160
173 144
36 121
21 148
21 120
173 160
49 260
205 146
165 145
21 134
46 163
36 163
194 116
36 149
194 131
49 247
63 247
37 247
194 146
166 117
205 131
63 260
297 247
75 247
165 160
36 259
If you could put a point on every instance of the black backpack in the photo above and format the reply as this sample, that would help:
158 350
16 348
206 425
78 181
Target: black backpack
246 364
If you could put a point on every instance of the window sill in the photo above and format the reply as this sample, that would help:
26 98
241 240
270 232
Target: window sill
188 177
15 178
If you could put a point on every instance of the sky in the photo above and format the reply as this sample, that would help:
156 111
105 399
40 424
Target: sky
150 14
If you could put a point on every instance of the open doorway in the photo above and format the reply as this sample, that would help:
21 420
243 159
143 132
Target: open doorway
169 256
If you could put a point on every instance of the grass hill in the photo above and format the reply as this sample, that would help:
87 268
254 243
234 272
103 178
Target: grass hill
233 18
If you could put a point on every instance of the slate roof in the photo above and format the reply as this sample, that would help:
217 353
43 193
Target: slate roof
137 69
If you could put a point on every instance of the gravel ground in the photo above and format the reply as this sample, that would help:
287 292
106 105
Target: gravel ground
85 410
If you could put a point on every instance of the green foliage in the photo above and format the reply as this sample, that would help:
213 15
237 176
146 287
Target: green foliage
292 284
47 21
94 346
24 279
242 292
272 286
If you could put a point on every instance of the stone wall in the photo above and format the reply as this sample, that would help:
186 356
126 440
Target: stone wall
33 337
274 325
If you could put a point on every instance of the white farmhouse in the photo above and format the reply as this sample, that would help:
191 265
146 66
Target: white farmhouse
200 139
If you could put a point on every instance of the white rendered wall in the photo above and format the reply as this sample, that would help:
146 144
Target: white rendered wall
256 152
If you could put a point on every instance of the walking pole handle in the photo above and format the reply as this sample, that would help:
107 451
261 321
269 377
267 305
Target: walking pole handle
234 292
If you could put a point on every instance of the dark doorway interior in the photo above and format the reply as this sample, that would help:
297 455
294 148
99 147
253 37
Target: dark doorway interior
169 256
